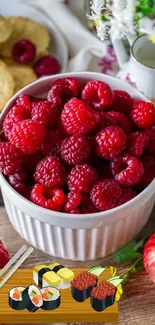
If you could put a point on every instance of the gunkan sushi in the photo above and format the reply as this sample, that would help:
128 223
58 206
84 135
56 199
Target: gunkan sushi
33 298
66 275
102 296
43 276
51 298
82 286
16 300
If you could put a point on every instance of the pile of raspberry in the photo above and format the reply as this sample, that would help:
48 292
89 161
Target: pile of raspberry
82 149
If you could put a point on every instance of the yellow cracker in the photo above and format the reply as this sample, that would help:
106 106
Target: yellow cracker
5 29
22 74
24 28
7 84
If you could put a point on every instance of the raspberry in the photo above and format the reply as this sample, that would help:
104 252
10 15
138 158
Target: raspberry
127 170
122 102
98 95
151 147
82 178
143 114
47 65
149 171
4 255
113 118
62 91
24 51
52 143
50 172
111 142
18 180
45 113
78 118
27 136
86 205
105 194
34 158
75 150
136 143
17 114
10 158
127 195
72 201
48 198
71 83
25 101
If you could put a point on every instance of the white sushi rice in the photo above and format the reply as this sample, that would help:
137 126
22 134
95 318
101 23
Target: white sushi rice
62 285
35 289
12 291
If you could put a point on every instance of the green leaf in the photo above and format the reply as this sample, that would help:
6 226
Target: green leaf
139 266
128 253
115 280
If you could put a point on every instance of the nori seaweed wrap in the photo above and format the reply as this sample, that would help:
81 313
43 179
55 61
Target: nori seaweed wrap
103 296
51 298
16 300
33 298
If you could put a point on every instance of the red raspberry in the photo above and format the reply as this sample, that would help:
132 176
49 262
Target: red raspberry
151 147
45 113
113 118
137 142
122 102
105 194
50 172
17 114
4 255
52 143
34 158
143 114
127 170
62 91
25 101
72 202
18 180
47 65
78 118
24 51
48 198
27 135
86 205
127 195
111 142
82 178
75 150
11 158
98 95
149 171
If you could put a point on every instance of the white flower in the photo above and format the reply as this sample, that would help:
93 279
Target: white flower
147 26
102 30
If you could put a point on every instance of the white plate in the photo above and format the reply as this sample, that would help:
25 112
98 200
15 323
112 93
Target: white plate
58 46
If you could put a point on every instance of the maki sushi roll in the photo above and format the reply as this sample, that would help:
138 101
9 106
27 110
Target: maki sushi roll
102 296
33 298
16 300
51 298
82 286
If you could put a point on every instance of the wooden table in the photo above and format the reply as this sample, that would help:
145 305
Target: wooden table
137 306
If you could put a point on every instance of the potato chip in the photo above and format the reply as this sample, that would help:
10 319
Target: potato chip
22 74
5 29
7 84
24 28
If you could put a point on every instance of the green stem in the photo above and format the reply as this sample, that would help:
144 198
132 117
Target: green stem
131 268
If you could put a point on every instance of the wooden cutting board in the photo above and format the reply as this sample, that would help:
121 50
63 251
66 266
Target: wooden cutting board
68 312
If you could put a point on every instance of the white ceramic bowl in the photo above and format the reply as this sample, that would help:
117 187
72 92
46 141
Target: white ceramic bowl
69 236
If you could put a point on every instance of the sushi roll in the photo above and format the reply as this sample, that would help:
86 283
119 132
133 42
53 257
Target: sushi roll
102 296
43 276
66 275
82 286
51 298
16 300
33 298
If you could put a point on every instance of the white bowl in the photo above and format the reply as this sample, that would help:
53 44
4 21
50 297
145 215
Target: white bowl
69 236
58 46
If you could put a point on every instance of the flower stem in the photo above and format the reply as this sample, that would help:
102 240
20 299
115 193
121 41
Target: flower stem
132 267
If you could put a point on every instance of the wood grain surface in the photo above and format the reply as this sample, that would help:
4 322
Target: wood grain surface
137 306
68 311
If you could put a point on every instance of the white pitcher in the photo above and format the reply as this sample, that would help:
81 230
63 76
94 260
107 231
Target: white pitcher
140 67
